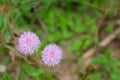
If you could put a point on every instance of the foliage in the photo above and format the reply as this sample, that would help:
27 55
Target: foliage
61 22
109 66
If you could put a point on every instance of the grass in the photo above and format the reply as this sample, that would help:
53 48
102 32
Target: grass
58 21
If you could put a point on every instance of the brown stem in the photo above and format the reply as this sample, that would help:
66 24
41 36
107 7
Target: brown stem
92 5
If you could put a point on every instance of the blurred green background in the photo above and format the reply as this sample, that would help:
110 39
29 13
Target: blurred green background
73 25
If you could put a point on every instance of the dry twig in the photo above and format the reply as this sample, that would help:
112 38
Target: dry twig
87 55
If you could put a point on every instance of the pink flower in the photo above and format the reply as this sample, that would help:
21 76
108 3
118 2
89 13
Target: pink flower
51 55
28 43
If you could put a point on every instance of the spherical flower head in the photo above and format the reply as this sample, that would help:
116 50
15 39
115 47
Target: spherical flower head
51 55
28 43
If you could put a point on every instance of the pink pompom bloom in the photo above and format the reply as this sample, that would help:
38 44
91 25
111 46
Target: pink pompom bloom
28 43
51 55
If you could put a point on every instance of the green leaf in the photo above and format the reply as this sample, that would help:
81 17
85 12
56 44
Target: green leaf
35 73
55 37
77 45
114 75
8 35
6 76
95 76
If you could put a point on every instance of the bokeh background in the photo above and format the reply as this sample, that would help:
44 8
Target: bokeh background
86 30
